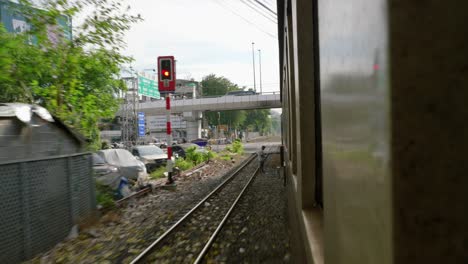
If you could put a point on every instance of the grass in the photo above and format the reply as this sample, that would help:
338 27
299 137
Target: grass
105 196
158 173
183 164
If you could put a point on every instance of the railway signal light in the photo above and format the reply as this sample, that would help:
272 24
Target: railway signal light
166 74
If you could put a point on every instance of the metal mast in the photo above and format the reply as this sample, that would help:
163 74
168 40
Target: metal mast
260 65
253 62
130 112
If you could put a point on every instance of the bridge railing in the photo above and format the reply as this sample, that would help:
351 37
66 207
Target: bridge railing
217 103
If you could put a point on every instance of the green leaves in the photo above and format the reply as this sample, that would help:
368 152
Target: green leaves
75 79
253 120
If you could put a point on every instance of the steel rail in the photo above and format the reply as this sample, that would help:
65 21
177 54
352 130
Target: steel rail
134 195
143 254
221 224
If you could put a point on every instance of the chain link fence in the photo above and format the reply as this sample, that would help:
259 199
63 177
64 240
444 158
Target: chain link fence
41 200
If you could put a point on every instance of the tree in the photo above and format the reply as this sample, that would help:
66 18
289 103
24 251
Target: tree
258 120
213 85
75 79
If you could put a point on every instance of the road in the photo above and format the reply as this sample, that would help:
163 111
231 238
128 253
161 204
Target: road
254 145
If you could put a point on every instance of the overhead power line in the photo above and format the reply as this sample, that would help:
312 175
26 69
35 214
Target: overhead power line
246 20
266 7
255 8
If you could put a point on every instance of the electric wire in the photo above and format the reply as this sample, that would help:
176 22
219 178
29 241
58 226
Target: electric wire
262 8
266 7
222 4
259 12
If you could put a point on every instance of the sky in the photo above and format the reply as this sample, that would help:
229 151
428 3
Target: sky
207 36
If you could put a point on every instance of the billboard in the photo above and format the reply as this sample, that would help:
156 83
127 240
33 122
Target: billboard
148 87
159 122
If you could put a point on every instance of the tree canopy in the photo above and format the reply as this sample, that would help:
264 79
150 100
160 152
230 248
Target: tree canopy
76 79
253 120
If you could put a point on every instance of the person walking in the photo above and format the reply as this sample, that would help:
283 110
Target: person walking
262 157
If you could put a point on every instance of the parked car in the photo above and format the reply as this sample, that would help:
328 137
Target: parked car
106 173
180 149
202 142
128 165
152 156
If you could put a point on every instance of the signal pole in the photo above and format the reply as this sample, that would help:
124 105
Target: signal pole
169 166
253 62
260 65
166 83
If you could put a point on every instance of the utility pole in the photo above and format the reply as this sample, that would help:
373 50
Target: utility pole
260 65
253 62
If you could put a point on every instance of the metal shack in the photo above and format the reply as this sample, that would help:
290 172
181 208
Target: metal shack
47 183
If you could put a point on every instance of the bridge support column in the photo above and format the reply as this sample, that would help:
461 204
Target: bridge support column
193 121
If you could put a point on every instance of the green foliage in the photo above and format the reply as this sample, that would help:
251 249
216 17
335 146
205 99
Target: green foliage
258 120
76 80
228 148
105 196
226 157
253 120
158 173
209 155
193 156
237 147
183 164
230 151
213 85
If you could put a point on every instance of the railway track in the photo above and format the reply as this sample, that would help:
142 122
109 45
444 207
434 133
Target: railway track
189 239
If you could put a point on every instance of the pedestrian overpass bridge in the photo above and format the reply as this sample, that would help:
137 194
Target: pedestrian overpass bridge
191 109
222 103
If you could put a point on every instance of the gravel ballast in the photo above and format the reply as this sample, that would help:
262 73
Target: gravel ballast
122 234
257 231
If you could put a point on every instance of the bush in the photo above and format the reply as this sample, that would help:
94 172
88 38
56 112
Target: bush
226 157
209 155
105 196
237 147
183 164
193 156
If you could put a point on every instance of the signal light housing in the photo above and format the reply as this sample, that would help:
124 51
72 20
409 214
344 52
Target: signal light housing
166 74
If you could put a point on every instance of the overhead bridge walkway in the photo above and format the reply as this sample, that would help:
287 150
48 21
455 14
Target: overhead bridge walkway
229 102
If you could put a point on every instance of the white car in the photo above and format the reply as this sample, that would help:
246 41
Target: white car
128 165
152 156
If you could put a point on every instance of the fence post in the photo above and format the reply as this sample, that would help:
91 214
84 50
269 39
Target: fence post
92 185
70 191
25 211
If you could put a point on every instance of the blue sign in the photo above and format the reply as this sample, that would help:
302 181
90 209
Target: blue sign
141 124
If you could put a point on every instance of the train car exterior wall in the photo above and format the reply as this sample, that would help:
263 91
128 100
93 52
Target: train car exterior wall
374 127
